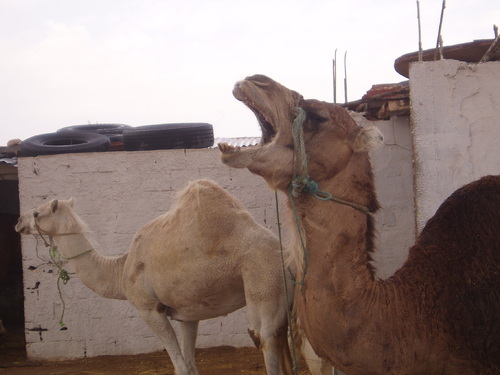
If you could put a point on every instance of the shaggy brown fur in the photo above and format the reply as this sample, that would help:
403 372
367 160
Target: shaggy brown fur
438 314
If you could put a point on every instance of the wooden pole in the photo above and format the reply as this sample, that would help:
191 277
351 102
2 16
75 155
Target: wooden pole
439 42
419 33
335 77
345 76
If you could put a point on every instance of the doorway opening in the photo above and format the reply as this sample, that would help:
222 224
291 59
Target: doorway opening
12 341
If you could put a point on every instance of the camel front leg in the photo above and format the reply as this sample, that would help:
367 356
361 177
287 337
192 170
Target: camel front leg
189 331
160 325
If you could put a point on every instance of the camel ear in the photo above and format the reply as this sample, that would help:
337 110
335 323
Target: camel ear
53 205
367 138
71 201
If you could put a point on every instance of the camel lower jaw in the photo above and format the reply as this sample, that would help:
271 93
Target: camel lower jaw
23 230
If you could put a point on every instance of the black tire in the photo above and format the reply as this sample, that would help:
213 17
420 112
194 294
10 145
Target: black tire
169 136
64 142
113 131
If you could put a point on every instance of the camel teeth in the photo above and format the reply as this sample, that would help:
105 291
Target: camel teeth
226 148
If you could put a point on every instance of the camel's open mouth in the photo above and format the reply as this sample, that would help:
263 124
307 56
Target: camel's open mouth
268 132
266 124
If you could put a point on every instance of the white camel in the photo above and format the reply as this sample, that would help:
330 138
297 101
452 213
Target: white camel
205 257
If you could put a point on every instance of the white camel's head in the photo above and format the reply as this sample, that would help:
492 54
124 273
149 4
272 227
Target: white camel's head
51 218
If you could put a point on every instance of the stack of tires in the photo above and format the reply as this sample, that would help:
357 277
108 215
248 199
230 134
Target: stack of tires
168 136
117 137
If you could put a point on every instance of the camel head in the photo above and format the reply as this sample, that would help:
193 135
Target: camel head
330 135
51 218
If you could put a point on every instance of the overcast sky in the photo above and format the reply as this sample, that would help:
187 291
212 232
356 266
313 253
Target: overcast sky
142 62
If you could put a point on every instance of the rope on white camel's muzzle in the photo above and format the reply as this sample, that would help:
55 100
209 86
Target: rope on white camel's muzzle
62 274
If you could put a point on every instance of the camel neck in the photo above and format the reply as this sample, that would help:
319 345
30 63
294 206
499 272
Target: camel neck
340 278
341 232
101 274
337 239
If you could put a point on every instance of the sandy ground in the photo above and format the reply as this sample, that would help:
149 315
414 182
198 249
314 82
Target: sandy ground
224 360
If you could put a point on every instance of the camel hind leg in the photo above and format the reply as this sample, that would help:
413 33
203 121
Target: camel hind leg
275 349
189 331
160 325
268 330
285 358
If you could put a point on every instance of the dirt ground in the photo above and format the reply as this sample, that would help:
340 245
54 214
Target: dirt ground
224 360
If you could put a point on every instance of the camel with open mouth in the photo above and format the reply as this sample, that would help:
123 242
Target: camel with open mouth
440 312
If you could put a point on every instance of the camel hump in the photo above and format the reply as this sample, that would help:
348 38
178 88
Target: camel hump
478 198
202 184
205 192
469 217
486 184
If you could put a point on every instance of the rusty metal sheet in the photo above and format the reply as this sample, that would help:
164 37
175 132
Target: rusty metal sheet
471 52
493 53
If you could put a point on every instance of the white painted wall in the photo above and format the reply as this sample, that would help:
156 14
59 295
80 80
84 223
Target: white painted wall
117 192
456 128
392 166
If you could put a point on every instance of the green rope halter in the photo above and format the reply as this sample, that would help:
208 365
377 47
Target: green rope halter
303 183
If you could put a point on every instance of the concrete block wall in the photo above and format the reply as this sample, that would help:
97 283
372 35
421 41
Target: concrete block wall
118 192
456 128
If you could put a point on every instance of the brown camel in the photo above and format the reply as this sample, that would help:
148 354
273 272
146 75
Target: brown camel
440 312
204 258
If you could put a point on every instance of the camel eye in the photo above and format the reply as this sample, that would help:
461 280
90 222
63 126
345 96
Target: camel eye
316 117
35 214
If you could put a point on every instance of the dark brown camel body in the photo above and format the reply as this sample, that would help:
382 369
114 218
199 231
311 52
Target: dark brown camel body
440 312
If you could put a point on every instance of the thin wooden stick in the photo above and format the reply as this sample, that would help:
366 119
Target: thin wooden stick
335 77
419 33
345 76
439 38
